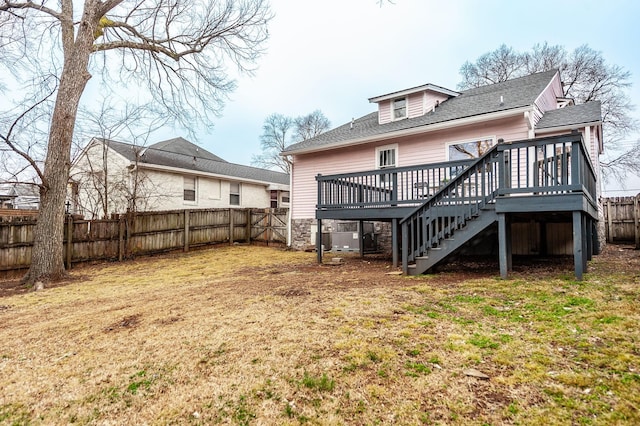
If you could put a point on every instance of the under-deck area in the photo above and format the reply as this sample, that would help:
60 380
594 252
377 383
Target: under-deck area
435 210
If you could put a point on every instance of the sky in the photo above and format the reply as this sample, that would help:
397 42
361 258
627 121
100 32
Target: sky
333 55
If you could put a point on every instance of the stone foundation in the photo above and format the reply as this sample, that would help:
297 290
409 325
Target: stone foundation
301 233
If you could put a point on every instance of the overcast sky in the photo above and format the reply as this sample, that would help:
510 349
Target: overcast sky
333 55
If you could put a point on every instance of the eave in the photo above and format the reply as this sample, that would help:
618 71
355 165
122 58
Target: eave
430 87
569 127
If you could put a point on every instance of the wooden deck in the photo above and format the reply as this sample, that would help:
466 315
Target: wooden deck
429 204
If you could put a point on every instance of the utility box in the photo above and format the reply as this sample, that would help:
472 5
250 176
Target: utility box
346 237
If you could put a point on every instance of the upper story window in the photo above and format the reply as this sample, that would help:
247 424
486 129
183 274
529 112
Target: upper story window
470 149
399 108
189 188
234 194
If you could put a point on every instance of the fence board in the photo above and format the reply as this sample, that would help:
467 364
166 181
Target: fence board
622 219
143 233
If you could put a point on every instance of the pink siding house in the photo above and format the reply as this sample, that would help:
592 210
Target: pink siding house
437 169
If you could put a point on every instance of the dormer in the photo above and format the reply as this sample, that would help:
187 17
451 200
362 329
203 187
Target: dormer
410 103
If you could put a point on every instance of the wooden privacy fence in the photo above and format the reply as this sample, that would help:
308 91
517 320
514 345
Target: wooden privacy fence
622 219
139 234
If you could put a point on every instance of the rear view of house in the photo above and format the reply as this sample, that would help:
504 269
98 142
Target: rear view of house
513 164
115 177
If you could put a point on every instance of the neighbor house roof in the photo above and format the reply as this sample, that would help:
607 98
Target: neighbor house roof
182 146
203 161
508 95
573 115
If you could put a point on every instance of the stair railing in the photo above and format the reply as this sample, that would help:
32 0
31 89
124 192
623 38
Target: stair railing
449 209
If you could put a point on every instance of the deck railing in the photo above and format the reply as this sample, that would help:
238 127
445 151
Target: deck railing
398 186
555 165
545 166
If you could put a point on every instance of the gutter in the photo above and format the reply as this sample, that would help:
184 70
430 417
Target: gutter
414 130
567 127
181 171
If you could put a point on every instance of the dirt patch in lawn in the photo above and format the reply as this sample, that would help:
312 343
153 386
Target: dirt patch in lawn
255 335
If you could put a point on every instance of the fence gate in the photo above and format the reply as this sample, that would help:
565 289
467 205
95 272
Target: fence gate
269 225
622 219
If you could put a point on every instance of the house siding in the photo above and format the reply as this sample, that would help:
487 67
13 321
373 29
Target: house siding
91 187
415 107
210 193
384 112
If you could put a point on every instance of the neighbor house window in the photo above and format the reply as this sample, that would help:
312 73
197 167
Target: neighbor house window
234 194
399 108
469 150
285 197
189 188
274 199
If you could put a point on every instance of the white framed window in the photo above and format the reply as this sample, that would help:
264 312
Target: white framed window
468 150
387 156
234 193
189 188
286 196
399 108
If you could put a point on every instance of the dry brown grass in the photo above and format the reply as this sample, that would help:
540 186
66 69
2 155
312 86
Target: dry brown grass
253 335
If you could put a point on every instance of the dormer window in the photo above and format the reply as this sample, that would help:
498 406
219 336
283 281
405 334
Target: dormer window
399 108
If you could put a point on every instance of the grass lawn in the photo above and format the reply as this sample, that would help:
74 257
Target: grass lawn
256 335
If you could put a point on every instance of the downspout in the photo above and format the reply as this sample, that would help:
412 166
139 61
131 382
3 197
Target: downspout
289 221
529 119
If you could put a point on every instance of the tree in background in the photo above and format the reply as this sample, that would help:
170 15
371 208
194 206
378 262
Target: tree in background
279 131
585 77
177 51
97 190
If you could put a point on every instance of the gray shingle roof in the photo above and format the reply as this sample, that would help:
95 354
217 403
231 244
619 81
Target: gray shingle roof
182 146
571 115
516 93
164 157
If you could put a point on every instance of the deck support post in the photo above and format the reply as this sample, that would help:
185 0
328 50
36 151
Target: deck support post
394 241
504 245
579 261
405 248
361 237
319 241
589 237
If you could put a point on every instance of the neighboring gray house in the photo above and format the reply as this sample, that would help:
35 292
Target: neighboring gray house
21 196
113 177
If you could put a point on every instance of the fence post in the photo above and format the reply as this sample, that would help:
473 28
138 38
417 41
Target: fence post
186 230
609 223
69 240
248 226
121 233
230 227
636 219
269 233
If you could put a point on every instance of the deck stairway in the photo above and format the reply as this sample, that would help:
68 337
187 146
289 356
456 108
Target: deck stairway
448 220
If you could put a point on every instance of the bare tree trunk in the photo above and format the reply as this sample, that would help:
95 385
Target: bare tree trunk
47 263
